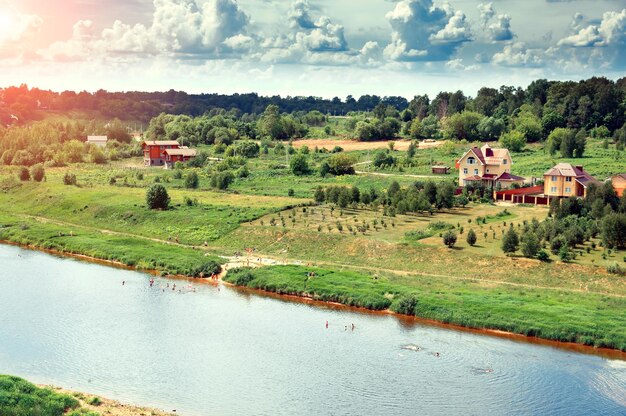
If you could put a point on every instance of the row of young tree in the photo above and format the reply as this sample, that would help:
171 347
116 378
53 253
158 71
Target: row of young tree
421 197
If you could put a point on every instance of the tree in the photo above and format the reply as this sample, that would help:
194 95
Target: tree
445 195
299 165
191 180
37 172
530 244
319 195
580 142
341 164
510 241
613 231
490 128
561 139
449 238
24 174
157 197
513 140
471 237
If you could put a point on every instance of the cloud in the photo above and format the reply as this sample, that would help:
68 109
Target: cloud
518 55
606 39
15 28
178 27
501 30
422 31
300 15
487 12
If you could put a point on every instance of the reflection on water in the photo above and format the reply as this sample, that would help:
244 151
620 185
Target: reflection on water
220 351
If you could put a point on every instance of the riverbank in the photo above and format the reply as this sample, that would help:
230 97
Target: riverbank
19 397
591 320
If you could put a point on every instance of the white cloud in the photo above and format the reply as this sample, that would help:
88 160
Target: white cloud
607 39
423 31
487 12
517 54
178 27
501 30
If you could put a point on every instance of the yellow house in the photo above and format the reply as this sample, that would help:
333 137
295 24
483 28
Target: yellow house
491 167
565 180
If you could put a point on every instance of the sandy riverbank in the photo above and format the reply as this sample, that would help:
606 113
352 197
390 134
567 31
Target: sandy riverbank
110 407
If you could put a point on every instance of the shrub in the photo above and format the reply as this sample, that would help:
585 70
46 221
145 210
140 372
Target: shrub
157 197
24 174
208 269
299 165
69 179
471 237
615 268
241 276
191 180
290 192
510 241
222 180
405 305
449 238
94 401
37 172
178 174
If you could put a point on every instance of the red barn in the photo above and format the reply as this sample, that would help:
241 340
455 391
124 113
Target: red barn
153 151
183 154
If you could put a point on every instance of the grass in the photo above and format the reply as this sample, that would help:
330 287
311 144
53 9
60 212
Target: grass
386 266
591 320
135 252
18 397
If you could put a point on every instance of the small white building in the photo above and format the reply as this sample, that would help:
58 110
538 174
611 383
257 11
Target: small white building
100 141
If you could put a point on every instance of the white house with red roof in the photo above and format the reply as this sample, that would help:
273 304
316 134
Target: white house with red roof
487 166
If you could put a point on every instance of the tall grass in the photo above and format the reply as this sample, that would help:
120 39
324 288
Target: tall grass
561 316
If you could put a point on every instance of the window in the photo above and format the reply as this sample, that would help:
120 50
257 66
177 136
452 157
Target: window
504 162
487 170
475 171
568 179
554 179
553 189
465 171
471 161
568 190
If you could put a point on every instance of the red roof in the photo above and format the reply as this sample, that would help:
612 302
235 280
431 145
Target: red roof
508 177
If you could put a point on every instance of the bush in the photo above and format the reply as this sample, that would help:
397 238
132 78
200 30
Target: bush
614 268
471 237
94 401
241 276
510 241
69 179
222 180
208 269
157 197
543 255
449 238
24 174
290 192
299 165
178 174
191 180
405 305
37 172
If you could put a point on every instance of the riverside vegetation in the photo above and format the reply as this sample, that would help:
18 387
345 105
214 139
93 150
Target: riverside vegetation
372 228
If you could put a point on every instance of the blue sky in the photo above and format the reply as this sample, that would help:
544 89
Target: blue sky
308 47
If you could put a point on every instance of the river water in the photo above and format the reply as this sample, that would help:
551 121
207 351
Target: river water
228 352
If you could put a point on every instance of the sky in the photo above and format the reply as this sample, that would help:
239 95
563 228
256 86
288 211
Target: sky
324 48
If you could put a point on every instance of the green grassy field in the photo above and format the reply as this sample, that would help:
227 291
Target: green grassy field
557 315
469 285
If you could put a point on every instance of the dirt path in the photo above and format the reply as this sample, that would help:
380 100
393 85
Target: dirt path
258 259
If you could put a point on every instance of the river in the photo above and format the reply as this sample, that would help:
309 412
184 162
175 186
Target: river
222 351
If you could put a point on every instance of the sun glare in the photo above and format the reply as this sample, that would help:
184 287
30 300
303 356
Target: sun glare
6 23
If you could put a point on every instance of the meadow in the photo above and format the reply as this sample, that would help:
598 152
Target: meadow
366 258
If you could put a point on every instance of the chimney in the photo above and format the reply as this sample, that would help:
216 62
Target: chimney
580 168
